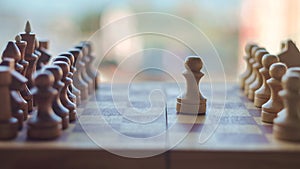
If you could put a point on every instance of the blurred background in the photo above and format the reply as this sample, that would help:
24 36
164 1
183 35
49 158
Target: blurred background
227 24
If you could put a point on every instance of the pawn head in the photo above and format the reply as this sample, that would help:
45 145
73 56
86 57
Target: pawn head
253 51
69 56
64 67
268 60
249 47
62 58
76 53
277 70
193 63
56 71
43 79
259 54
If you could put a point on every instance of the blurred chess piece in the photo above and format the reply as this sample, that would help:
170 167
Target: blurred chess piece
274 104
286 125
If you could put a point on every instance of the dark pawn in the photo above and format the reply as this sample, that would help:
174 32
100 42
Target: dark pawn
8 124
64 95
73 89
57 106
93 73
85 59
71 96
18 104
45 124
77 77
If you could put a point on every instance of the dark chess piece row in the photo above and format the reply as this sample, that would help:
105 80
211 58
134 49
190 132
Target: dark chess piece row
44 88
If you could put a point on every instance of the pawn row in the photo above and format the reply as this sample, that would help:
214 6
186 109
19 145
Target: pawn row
58 87
266 82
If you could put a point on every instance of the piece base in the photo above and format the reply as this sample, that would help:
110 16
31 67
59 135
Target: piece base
191 109
48 133
65 122
268 117
9 129
72 116
287 133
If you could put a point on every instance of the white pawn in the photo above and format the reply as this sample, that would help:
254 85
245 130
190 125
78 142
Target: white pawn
274 104
248 70
192 101
287 124
262 95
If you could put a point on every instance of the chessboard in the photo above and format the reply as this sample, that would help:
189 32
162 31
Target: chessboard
240 139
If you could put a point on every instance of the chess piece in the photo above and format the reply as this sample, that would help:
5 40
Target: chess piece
64 95
85 59
73 89
252 76
18 105
79 83
44 54
289 54
286 125
57 106
8 124
44 124
71 96
248 70
92 73
192 101
25 92
258 80
275 103
262 95
12 51
30 56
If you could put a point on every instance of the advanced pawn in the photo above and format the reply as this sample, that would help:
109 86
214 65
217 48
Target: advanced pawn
286 125
262 95
192 101
274 104
44 124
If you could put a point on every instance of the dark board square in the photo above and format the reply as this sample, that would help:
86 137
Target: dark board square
233 105
228 120
240 138
255 113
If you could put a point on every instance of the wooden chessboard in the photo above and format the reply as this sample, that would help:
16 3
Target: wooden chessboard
240 139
